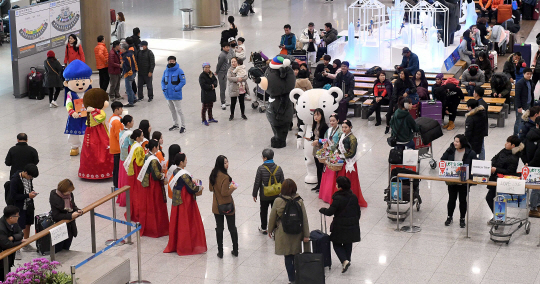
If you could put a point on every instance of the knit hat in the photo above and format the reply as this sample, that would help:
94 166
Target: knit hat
439 76
205 64
77 70
144 42
50 53
278 62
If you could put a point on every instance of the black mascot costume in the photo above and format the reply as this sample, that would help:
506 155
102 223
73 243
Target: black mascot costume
278 82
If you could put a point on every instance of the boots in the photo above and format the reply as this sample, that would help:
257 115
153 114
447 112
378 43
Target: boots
234 237
446 125
219 238
451 125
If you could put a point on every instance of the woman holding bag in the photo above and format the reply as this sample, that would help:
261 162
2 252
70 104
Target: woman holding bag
222 185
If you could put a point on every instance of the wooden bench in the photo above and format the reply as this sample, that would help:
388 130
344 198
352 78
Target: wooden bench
367 104
360 92
461 63
363 85
365 79
496 112
489 101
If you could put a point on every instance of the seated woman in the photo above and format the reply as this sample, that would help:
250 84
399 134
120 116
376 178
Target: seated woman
485 65
302 81
336 65
133 163
403 125
186 229
153 214
382 90
63 207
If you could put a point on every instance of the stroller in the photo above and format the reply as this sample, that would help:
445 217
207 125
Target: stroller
261 101
392 213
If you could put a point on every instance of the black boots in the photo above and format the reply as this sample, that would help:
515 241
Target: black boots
462 222
448 221
234 238
219 238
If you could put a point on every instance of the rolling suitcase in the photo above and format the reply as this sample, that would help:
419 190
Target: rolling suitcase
536 11
34 84
43 221
113 16
415 110
525 50
493 59
309 267
431 109
504 13
321 243
430 129
244 9
511 42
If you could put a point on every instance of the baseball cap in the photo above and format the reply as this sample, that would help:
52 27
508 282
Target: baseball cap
311 24
406 50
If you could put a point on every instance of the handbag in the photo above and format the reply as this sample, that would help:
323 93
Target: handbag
224 209
392 141
395 156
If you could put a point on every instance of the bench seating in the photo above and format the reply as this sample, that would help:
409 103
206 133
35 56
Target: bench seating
496 112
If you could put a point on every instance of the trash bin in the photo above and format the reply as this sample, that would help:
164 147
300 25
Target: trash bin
186 19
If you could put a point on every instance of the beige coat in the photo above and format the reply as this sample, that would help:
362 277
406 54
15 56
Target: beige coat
287 244
222 192
303 84
232 84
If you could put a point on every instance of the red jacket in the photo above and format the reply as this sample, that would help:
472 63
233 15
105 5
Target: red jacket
114 63
71 54
383 89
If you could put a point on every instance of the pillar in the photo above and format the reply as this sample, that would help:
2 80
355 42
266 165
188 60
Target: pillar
95 21
207 13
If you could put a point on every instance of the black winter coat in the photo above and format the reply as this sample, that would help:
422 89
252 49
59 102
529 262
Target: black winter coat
531 153
500 84
19 156
450 153
475 127
146 62
208 94
347 81
506 163
400 87
7 231
345 228
319 81
520 100
53 74
486 122
263 176
17 191
59 213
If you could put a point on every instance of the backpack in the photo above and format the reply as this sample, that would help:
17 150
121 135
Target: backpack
292 219
272 189
7 193
373 71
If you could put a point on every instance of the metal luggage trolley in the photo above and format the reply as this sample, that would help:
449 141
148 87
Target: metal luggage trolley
399 208
424 151
514 199
261 100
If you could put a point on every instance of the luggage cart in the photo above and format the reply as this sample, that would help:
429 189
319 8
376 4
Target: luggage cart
424 151
261 100
514 200
394 209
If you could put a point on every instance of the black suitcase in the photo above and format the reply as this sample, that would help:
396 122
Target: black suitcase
244 9
430 129
43 221
309 268
321 243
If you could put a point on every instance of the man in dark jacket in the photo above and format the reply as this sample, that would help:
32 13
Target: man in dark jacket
513 65
136 38
146 63
475 125
10 234
345 81
288 40
328 36
479 96
410 62
129 69
21 154
262 179
501 86
115 72
524 98
531 158
529 118
22 195
504 163
322 71
222 68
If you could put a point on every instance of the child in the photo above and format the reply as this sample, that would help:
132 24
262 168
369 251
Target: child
240 71
115 127
240 49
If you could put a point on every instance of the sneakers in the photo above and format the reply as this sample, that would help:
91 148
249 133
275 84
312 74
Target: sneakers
346 265
462 222
174 127
206 123
18 255
54 104
183 130
50 105
448 221
223 106
29 248
264 232
244 117
213 121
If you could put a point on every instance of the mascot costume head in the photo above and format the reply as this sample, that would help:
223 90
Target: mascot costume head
95 99
306 103
278 82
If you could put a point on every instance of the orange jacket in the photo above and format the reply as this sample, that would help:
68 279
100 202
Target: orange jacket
114 134
496 3
485 3
102 55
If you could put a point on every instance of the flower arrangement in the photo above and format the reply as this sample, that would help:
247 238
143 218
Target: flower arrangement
334 158
40 270
322 153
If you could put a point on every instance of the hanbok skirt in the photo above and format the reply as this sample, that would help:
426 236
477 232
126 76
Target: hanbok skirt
153 214
96 160
122 181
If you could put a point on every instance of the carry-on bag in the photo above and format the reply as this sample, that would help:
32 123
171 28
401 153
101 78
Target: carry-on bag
309 267
244 9
504 13
321 243
42 222
430 129
536 11
431 109
525 50
113 16
34 84
493 59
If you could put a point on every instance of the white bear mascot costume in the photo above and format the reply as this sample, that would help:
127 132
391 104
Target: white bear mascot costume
305 104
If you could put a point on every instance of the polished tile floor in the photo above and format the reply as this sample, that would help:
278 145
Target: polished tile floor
437 254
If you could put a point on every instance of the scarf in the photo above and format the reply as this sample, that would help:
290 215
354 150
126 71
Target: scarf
179 174
349 162
67 200
127 162
142 173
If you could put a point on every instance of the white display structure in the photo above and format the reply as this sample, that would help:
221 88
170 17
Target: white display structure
368 18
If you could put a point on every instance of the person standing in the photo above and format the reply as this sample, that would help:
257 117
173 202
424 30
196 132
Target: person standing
129 69
74 50
403 87
133 164
403 125
286 244
22 195
344 81
329 35
529 118
146 62
512 67
222 185
63 207
288 41
115 71
115 127
21 155
268 172
318 129
136 37
237 93
186 229
346 223
10 234
102 65
328 179
524 98
172 83
454 95
120 29
459 150
222 68
310 39
475 125
208 83
124 142
53 77
223 6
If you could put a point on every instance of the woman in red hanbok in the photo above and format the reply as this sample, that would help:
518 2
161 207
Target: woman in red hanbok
186 230
132 165
153 214
328 180
96 160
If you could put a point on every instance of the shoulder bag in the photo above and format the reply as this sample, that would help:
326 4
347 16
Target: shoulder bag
224 209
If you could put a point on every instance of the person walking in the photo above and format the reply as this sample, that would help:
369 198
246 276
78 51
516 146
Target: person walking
115 71
345 227
222 185
102 65
524 98
267 173
147 63
208 82
237 85
287 244
63 207
222 68
74 50
129 69
403 125
459 150
21 155
53 77
120 28
172 82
